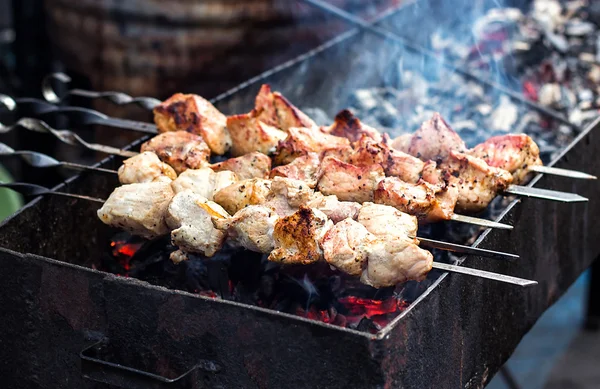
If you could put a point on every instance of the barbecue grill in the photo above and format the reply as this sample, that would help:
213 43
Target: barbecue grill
80 326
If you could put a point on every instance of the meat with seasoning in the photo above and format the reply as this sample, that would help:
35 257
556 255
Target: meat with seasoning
251 228
434 140
348 182
145 167
181 150
348 126
346 246
252 165
250 134
139 208
512 152
190 217
192 113
395 256
243 193
335 209
297 237
275 110
302 141
204 182
477 182
304 168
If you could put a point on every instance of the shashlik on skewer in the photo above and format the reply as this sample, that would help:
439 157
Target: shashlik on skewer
36 190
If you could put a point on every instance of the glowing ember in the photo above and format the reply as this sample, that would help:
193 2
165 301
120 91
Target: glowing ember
123 251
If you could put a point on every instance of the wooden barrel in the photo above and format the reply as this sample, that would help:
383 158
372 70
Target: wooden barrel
157 47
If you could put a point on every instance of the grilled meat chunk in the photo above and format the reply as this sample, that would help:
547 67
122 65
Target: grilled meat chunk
348 126
190 215
181 150
275 110
346 246
476 181
304 168
395 256
334 209
251 228
368 152
139 208
348 182
194 114
145 167
434 140
243 193
430 203
250 134
515 153
297 237
287 195
402 142
301 141
252 165
204 182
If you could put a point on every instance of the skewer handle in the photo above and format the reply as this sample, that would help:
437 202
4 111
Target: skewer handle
27 189
544 194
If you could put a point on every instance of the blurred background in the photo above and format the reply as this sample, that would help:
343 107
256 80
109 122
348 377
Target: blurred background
156 48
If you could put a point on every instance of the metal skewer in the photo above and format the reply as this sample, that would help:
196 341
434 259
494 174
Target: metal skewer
544 194
149 103
561 172
65 136
76 115
27 189
117 98
40 160
484 274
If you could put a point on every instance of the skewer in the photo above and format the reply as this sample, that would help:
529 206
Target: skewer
76 115
27 189
40 160
65 136
73 139
561 172
149 103
118 98
484 274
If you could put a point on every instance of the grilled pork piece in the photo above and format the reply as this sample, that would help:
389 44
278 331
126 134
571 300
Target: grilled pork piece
346 246
144 167
515 153
334 209
275 110
368 152
287 195
348 182
429 203
346 125
204 182
434 140
139 208
303 168
243 193
395 256
250 134
476 181
297 237
251 228
252 165
402 143
194 114
301 141
189 216
181 150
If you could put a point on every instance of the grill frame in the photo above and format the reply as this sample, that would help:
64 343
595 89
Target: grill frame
67 307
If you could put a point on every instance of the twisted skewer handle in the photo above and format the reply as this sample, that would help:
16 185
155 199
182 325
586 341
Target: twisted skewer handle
65 136
117 98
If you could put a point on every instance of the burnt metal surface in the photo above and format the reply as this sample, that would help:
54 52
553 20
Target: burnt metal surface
457 334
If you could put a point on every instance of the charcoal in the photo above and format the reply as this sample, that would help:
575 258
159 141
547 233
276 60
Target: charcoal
576 27
504 116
